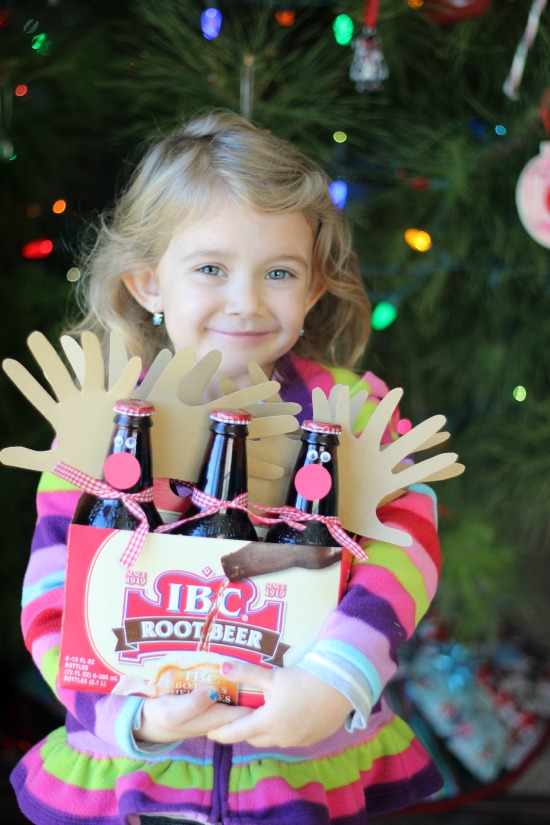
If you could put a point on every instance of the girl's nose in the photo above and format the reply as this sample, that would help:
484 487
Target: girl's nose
243 299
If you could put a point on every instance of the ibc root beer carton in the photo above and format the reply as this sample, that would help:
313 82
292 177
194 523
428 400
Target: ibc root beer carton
191 603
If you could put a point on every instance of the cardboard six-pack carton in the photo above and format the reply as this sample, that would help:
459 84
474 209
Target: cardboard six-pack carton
141 631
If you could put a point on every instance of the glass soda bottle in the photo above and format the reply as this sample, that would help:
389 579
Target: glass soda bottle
223 475
313 491
131 435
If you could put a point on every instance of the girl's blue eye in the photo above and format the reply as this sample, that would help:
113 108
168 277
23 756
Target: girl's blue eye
279 275
210 269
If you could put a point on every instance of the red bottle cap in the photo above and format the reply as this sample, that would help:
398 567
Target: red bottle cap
230 416
134 407
321 427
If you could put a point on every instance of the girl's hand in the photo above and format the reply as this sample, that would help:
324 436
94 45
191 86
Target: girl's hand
300 709
171 718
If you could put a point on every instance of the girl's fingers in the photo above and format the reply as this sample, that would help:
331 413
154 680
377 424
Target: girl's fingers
243 673
239 730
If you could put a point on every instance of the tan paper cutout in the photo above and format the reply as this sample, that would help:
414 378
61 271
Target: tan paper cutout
82 417
373 472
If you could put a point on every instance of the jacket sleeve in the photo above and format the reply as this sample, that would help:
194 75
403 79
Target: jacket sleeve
109 717
387 596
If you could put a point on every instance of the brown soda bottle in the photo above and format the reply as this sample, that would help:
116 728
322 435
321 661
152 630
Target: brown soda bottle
131 435
223 475
319 447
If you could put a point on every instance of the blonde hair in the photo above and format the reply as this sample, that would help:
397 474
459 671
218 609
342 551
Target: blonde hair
221 152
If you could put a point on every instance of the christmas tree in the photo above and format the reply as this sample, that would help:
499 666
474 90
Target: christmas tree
427 148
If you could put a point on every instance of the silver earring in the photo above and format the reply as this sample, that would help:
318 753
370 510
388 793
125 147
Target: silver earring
302 332
158 319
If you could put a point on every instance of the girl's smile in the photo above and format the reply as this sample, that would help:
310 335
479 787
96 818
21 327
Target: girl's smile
236 280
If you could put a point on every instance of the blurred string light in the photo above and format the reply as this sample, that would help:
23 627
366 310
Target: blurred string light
73 274
343 29
21 90
211 23
519 393
59 206
383 315
339 137
7 151
338 190
30 27
418 239
500 130
39 248
41 43
285 17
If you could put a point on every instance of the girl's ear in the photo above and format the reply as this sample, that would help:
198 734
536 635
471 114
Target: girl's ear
143 287
316 291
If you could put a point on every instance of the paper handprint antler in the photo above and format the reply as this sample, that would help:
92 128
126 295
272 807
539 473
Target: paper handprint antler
81 411
374 472
81 416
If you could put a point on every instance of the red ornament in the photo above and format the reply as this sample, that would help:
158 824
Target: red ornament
452 11
533 196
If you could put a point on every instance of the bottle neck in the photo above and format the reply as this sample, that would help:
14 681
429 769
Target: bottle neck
315 444
224 474
133 436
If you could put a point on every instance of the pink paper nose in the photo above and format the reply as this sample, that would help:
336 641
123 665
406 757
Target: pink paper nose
121 471
313 482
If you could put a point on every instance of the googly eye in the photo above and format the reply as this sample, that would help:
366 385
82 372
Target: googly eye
130 442
312 455
324 456
118 441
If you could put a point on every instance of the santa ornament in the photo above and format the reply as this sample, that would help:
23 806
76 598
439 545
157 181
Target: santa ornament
533 196
369 68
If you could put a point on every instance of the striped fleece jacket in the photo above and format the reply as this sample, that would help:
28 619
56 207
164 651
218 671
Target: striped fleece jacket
91 772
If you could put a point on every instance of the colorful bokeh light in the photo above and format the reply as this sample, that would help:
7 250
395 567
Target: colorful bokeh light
211 23
418 239
383 315
339 136
338 192
343 29
39 248
285 17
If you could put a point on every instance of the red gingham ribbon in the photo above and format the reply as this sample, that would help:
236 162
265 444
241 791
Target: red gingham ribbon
130 500
209 505
293 517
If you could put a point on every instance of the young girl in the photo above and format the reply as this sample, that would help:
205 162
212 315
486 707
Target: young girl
227 238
